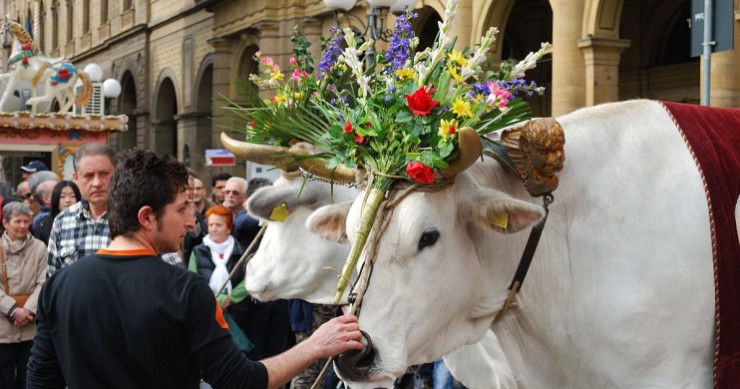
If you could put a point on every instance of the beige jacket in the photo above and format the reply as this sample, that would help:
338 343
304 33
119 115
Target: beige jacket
26 266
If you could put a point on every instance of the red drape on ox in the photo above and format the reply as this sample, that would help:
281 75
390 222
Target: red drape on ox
714 136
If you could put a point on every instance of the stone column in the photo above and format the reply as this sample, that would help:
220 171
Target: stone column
724 84
568 80
462 24
601 59
221 80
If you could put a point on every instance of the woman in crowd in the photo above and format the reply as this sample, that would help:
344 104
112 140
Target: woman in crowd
64 195
214 259
22 272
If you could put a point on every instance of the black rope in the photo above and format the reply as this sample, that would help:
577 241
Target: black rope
534 239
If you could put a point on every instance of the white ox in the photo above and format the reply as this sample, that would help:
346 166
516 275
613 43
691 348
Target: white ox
620 293
291 262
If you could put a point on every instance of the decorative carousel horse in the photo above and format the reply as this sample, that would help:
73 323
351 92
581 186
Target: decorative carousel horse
59 75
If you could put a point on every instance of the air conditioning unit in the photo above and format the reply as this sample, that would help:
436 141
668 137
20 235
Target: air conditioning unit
96 104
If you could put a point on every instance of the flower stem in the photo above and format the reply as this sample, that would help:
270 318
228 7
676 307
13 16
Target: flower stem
375 196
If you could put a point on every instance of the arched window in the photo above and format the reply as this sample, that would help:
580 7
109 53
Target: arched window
70 21
42 27
54 25
103 11
127 4
85 16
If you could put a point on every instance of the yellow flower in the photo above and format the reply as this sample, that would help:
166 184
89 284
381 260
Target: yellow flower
342 67
461 108
456 58
453 73
280 99
404 74
276 75
447 128
479 99
297 95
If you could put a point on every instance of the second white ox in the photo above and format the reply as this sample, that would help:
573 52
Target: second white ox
291 262
620 293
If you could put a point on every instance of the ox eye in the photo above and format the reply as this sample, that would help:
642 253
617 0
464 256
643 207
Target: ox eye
428 238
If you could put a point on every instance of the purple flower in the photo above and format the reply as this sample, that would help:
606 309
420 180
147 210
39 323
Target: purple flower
519 86
331 54
399 47
480 88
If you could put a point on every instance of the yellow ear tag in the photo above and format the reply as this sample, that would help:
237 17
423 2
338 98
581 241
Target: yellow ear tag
501 220
280 213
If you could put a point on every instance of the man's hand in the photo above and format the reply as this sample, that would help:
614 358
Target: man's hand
333 337
21 317
336 336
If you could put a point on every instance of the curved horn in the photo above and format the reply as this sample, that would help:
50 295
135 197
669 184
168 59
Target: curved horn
262 154
317 166
470 150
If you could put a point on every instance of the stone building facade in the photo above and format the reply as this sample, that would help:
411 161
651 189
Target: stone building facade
176 58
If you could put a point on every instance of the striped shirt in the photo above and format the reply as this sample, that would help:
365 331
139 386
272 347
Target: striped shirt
76 234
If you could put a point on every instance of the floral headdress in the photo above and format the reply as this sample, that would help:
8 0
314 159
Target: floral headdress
400 115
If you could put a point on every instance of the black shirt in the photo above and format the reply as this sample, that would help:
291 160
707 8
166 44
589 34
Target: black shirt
114 321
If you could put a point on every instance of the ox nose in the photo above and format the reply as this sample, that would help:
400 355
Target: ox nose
354 365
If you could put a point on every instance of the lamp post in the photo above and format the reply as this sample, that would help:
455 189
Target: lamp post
109 88
375 17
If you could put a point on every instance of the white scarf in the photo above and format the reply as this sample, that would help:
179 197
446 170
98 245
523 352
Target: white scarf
220 253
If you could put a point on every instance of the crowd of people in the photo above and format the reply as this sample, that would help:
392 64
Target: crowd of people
149 247
104 215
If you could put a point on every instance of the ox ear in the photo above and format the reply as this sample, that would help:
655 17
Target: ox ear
329 222
503 213
263 202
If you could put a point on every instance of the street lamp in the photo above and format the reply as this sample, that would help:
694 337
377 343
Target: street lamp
375 17
104 89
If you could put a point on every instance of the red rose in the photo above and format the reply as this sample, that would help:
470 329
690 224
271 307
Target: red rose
420 172
359 138
347 127
420 102
252 123
63 73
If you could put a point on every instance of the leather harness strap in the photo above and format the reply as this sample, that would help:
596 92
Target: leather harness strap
526 260
534 239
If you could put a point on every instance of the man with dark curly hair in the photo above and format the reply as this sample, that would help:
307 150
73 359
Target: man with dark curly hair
123 318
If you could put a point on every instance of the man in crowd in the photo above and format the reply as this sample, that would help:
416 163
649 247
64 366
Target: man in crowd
195 235
218 182
32 167
82 229
149 324
245 226
24 191
42 185
199 196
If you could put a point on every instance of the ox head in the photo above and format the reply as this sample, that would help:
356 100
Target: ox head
291 262
433 287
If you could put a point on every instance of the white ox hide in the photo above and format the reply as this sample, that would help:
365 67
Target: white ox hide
620 292
291 262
